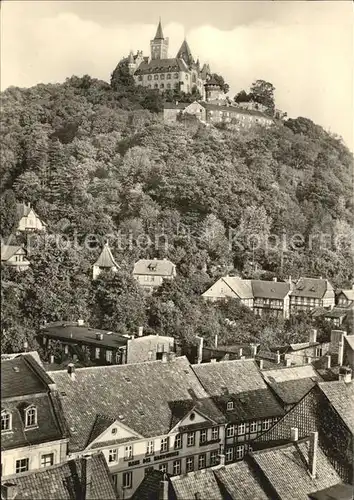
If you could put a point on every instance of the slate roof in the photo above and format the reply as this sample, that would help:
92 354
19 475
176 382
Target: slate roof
242 288
336 492
161 66
185 53
270 289
142 395
286 469
341 396
201 481
159 33
7 251
65 481
34 355
291 373
154 267
311 287
240 482
106 258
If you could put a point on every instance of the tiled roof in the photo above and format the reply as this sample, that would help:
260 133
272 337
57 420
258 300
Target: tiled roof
287 471
141 395
237 376
84 334
336 492
240 482
22 376
101 424
159 33
154 267
106 258
150 487
291 373
22 210
161 66
7 251
291 391
242 288
350 340
34 355
341 396
65 482
202 482
185 53
270 289
349 294
311 287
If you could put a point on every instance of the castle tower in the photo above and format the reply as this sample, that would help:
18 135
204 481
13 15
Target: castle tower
159 45
104 262
185 54
131 63
213 90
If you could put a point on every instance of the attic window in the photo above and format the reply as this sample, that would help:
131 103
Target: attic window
192 416
6 421
16 369
152 266
127 379
230 405
313 288
114 430
31 416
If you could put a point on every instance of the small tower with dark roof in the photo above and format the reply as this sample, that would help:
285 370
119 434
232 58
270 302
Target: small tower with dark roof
159 45
185 54
213 90
131 63
104 262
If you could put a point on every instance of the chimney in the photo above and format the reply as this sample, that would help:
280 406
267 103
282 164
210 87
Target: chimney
80 322
313 453
253 350
86 476
99 336
163 494
216 340
140 331
294 434
51 359
9 491
313 336
275 280
328 361
308 359
213 360
288 362
25 345
341 350
277 359
345 374
260 364
240 352
200 349
71 371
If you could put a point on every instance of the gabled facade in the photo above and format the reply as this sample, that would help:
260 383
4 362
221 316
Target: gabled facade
345 298
310 293
28 220
144 416
33 429
152 273
15 257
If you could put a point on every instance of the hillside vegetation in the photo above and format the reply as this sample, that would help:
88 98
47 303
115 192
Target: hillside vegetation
93 160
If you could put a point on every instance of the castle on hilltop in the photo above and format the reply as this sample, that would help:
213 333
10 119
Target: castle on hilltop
163 73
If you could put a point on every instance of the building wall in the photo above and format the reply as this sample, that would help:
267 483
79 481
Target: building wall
274 307
30 223
307 355
348 355
170 115
96 270
148 348
34 454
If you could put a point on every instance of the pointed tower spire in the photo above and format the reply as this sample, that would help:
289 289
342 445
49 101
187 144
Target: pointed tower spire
159 33
185 53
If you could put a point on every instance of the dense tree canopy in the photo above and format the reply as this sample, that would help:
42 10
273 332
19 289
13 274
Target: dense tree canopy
97 162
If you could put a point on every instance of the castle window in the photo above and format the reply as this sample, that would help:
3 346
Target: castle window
6 421
168 76
162 76
156 77
156 86
149 77
162 86
186 77
140 78
176 75
31 416
168 85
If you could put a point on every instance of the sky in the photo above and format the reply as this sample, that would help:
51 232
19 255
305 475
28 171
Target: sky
305 49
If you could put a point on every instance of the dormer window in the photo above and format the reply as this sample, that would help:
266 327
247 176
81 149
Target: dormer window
31 416
6 421
230 405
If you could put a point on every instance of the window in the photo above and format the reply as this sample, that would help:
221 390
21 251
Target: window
186 77
190 438
6 421
164 444
152 278
214 457
253 427
156 86
156 77
230 431
230 405
203 436
176 75
163 467
178 442
22 465
162 77
266 424
47 460
112 456
128 452
127 480
168 85
140 78
215 433
162 86
201 461
150 448
229 455
97 353
240 451
149 77
241 429
31 417
190 464
176 467
109 356
168 76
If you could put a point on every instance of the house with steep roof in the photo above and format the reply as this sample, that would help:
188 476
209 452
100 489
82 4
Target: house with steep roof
33 428
28 220
239 391
231 287
309 293
14 256
141 416
84 478
151 273
105 262
345 298
328 408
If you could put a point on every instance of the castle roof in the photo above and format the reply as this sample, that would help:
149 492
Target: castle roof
161 66
212 81
106 258
185 53
159 33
